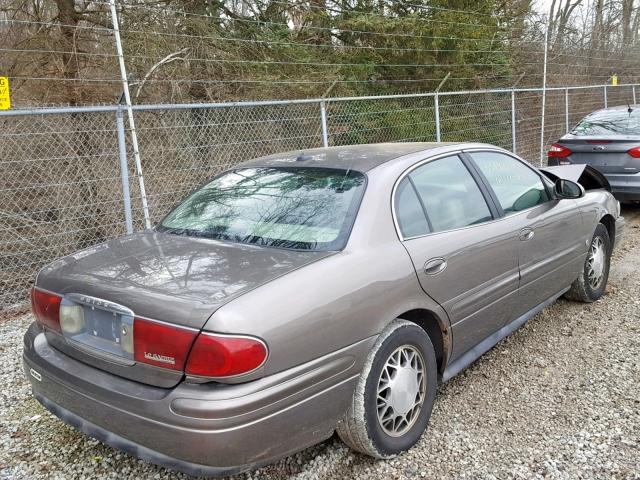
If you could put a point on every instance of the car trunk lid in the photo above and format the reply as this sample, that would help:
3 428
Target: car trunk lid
168 279
587 176
608 155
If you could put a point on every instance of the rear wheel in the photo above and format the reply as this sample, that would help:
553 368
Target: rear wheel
392 402
591 283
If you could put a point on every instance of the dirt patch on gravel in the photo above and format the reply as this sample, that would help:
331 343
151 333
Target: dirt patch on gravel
560 398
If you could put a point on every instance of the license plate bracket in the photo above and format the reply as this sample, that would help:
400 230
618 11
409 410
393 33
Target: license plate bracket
105 330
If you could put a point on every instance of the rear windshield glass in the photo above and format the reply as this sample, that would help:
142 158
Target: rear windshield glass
299 208
609 122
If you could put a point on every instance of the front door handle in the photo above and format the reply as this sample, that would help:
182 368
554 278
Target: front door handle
526 234
435 266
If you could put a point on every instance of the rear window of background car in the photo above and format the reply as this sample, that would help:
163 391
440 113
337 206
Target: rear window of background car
609 122
517 186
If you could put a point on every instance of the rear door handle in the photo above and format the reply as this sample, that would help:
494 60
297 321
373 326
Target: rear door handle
435 266
526 234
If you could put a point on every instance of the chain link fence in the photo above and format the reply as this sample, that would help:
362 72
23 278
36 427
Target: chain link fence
181 148
68 179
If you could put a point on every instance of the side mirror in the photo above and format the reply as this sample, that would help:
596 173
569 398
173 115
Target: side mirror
568 189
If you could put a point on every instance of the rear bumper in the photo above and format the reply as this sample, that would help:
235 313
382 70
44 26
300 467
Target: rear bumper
207 429
134 448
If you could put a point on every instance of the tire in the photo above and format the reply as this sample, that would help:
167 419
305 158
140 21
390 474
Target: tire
360 428
584 289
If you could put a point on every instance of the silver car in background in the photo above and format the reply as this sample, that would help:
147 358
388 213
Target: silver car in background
608 140
308 292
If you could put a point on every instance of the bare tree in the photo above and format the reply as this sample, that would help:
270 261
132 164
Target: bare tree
559 19
628 34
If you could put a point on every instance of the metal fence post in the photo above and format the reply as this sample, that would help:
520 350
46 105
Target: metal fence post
633 90
323 119
544 92
132 125
566 109
124 170
605 96
513 121
437 110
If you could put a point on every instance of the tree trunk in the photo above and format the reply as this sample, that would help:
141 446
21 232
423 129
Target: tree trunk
627 14
596 34
69 20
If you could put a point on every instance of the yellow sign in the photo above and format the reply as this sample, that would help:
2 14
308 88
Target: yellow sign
5 98
614 80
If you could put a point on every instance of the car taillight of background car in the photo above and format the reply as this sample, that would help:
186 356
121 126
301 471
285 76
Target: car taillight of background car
634 152
559 152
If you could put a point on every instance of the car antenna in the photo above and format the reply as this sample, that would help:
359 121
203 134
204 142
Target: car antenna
346 174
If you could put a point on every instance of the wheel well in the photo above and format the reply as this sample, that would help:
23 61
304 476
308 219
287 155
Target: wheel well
609 222
428 321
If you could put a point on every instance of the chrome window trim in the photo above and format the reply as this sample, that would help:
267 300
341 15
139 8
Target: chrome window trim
504 152
504 217
411 169
451 230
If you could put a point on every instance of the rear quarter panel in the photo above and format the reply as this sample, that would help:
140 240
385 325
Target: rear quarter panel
325 306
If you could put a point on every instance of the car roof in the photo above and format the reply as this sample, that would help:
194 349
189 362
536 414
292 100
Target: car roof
356 157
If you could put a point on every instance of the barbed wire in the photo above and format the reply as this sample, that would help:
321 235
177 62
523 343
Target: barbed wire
164 9
432 7
305 45
307 63
334 30
519 55
301 82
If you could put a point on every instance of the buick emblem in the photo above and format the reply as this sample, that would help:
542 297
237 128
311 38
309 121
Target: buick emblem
100 303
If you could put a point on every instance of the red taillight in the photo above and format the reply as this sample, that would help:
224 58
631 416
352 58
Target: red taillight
634 152
598 142
160 344
46 308
558 151
223 356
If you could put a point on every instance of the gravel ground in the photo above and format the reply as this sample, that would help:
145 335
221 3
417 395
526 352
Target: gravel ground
560 398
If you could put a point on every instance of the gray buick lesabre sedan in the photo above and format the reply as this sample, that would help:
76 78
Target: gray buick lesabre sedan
310 292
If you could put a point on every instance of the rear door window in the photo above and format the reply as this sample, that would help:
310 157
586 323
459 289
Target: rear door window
450 194
410 214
